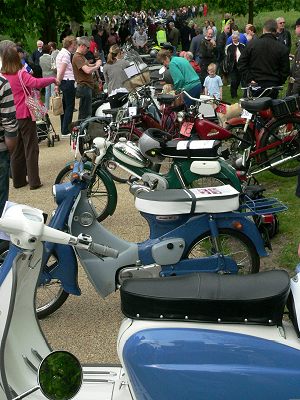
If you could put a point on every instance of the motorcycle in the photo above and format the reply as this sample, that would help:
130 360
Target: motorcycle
190 230
200 166
196 336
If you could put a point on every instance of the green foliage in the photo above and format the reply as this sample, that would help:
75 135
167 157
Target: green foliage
21 19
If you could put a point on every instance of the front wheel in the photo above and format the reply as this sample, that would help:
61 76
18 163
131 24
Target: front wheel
231 243
49 296
284 141
101 191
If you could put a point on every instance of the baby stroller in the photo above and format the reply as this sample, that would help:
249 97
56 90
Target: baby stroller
45 130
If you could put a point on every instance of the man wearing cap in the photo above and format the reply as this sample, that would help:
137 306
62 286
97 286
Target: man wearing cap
294 84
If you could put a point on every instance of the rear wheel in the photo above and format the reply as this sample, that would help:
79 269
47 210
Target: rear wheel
102 195
233 148
49 296
285 128
233 244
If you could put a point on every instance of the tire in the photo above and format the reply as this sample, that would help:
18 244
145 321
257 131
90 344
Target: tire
101 191
247 257
48 297
118 174
280 129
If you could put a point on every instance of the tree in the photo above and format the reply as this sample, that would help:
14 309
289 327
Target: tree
38 18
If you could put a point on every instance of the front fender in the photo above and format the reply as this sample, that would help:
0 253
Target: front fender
108 182
65 268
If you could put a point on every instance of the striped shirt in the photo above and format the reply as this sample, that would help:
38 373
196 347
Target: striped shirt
8 122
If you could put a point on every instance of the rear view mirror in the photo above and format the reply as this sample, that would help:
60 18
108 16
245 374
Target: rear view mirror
59 377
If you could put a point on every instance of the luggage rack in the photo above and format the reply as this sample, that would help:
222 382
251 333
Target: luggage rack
268 205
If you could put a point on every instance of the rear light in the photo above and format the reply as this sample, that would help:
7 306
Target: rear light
267 218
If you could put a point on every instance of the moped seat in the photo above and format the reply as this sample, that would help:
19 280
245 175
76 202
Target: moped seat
258 298
166 98
112 111
256 105
204 149
188 201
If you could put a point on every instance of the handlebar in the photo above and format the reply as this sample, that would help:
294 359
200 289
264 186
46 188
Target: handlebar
253 88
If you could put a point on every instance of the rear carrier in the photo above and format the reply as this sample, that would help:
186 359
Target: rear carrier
287 106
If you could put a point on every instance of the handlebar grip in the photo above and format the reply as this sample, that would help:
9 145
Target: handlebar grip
104 250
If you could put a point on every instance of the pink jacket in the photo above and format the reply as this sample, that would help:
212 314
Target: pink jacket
30 82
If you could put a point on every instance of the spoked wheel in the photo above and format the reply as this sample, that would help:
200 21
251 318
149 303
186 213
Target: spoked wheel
233 244
286 133
103 197
50 296
117 173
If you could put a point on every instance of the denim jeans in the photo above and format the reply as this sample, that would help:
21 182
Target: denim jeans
194 92
4 178
68 89
49 91
85 94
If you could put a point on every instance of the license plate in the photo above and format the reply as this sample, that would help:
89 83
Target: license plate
186 128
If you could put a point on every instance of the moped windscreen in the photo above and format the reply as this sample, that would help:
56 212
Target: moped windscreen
60 376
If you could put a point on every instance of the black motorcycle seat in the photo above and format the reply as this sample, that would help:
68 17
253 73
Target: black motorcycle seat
112 111
256 105
166 98
207 297
188 201
204 149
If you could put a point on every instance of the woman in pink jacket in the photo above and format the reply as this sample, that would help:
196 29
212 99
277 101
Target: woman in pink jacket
25 159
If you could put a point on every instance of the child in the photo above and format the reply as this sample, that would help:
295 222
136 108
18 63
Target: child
213 83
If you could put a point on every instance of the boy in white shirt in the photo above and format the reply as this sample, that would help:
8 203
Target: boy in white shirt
213 83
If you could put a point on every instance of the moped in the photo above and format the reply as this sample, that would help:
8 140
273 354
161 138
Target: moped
187 337
190 230
202 166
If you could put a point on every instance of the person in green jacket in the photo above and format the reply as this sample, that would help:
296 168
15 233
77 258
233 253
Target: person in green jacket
184 76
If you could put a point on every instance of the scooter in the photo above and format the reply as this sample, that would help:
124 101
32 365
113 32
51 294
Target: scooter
188 337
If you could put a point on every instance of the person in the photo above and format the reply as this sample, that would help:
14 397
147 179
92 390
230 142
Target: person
185 36
294 81
83 75
242 36
282 34
36 55
115 77
8 135
173 35
26 154
46 65
208 51
100 38
190 57
139 38
66 80
221 45
124 33
250 32
21 53
161 36
54 51
195 46
113 37
184 76
233 52
213 82
265 61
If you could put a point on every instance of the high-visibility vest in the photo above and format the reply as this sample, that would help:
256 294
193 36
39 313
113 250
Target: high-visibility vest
161 36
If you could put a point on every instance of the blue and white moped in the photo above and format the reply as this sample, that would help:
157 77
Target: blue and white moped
191 230
195 336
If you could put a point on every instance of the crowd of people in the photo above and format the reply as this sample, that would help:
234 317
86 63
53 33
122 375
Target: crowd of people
208 58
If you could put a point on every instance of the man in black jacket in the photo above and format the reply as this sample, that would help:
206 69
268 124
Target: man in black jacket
265 61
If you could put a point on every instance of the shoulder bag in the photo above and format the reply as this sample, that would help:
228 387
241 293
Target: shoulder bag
32 100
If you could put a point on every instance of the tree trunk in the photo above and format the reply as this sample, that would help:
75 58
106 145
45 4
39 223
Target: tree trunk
251 11
49 29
